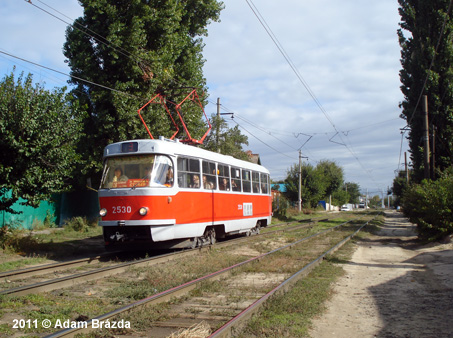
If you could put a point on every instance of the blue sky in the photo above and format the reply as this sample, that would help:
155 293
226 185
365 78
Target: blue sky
345 52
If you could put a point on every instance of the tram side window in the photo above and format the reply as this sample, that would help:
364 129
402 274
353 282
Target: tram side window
209 181
246 181
224 177
236 179
256 182
188 173
264 183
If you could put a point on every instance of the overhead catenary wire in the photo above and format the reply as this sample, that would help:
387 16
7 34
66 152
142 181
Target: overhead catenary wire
301 79
98 38
72 76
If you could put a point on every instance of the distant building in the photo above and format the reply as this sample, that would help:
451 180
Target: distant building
254 158
277 190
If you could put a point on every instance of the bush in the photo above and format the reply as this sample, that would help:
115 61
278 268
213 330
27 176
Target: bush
13 239
280 207
79 224
430 206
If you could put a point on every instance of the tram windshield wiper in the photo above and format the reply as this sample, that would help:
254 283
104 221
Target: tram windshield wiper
139 182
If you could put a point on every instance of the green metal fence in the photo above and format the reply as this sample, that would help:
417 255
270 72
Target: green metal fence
62 207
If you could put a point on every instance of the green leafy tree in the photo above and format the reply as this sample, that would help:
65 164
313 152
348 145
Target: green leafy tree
353 190
332 175
137 49
38 135
375 202
313 185
422 32
228 141
399 185
340 197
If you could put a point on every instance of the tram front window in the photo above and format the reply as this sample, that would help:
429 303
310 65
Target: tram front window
137 171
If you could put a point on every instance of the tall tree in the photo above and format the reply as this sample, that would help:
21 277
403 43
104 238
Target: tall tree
427 60
332 175
137 48
39 131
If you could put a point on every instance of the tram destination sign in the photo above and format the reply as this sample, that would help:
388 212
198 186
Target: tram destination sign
129 147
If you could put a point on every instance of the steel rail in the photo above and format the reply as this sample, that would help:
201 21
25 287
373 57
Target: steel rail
51 267
178 290
79 278
232 327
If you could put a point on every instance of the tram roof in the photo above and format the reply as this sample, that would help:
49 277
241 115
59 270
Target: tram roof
174 147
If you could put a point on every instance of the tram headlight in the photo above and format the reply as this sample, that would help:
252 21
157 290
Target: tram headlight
103 212
143 211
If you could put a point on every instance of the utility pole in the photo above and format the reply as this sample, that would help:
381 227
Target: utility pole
425 135
300 181
433 157
405 168
218 125
366 199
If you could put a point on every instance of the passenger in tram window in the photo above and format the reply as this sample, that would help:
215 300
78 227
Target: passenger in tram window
119 177
169 179
225 185
206 184
148 171
196 181
256 188
234 186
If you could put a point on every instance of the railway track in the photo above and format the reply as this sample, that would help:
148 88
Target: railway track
78 278
39 270
226 299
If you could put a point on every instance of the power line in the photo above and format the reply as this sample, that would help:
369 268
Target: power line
301 79
72 76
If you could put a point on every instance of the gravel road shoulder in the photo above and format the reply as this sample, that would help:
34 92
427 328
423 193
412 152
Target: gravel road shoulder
392 288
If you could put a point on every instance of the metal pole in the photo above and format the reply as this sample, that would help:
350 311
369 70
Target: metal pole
405 168
218 125
300 181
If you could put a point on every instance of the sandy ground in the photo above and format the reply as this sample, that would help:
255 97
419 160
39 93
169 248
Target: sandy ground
392 288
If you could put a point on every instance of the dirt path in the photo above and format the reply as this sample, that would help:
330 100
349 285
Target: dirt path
392 288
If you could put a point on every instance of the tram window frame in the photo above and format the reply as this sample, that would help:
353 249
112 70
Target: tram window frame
223 172
209 171
236 183
256 182
188 168
264 183
246 181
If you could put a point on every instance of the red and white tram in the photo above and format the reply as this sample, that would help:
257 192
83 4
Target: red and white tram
163 193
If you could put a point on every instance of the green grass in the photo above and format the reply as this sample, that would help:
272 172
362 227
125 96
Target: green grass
290 314
51 242
18 264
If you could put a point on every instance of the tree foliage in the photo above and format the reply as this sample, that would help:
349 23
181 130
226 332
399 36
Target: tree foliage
399 186
430 206
38 134
353 190
137 49
227 141
422 31
317 183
